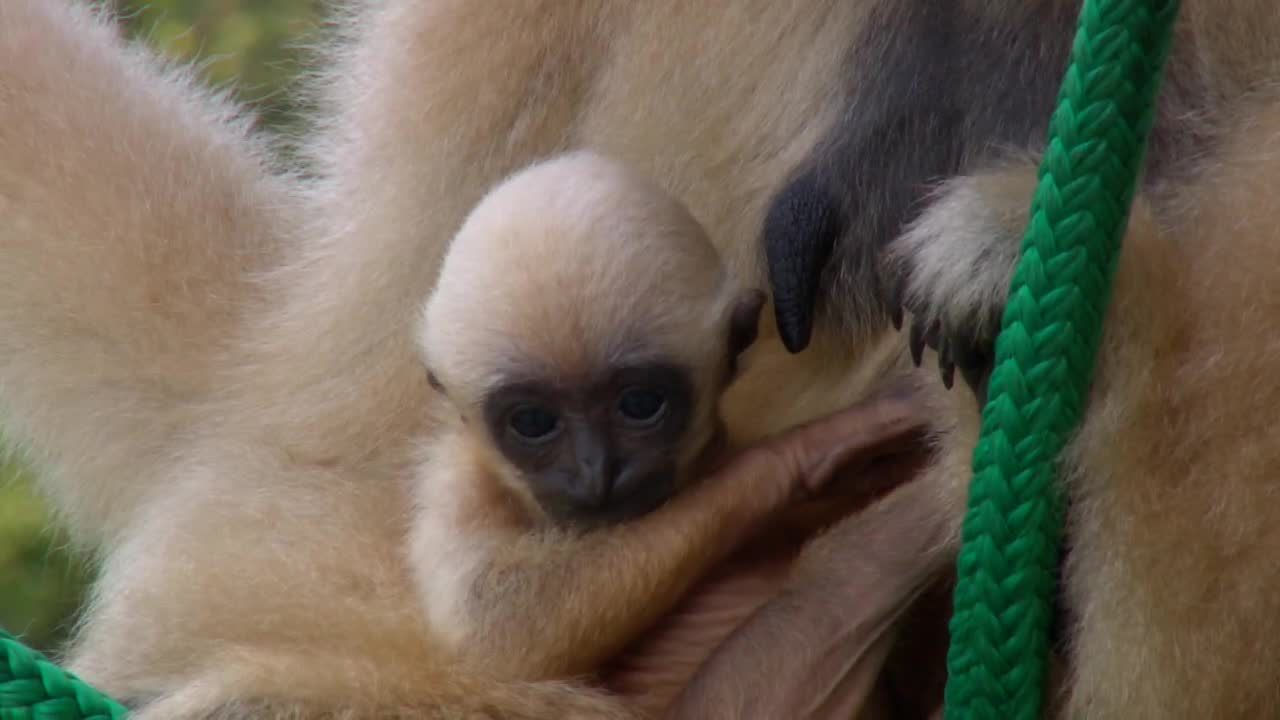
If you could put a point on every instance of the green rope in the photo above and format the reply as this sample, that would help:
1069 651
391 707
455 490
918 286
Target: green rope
1044 360
33 688
1045 357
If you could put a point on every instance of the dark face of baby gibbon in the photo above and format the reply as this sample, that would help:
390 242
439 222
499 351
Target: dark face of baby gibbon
599 452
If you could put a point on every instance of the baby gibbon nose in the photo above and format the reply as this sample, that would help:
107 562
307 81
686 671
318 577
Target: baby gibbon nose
607 485
592 485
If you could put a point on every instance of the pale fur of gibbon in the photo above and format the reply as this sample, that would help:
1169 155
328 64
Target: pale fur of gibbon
131 321
1169 570
804 136
582 331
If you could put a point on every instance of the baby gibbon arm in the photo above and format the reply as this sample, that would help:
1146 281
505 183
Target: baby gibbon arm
134 210
546 605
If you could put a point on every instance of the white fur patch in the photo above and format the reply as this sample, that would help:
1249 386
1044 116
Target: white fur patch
445 562
959 256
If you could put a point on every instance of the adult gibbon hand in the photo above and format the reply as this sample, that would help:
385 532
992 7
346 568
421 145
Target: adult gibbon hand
792 628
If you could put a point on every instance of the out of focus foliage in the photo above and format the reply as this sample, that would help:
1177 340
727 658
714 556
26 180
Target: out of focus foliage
253 47
40 583
251 44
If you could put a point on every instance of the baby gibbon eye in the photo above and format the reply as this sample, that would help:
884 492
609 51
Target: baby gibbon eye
534 423
642 406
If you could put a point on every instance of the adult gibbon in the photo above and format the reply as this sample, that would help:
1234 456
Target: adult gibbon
806 137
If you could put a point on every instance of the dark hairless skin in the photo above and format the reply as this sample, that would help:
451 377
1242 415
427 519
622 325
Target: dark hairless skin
781 632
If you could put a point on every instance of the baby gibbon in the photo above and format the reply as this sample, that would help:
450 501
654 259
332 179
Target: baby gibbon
582 330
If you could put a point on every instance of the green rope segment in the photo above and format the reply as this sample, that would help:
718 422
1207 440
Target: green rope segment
1045 357
33 688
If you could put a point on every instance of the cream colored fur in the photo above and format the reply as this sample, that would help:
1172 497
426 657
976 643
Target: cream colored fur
243 449
565 271
1174 569
210 574
569 266
135 213
958 270
1172 566
142 224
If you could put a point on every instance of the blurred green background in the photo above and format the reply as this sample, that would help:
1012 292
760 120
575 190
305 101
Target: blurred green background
251 46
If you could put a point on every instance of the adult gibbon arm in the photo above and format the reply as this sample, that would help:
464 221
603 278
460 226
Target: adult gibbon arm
760 630
134 211
823 641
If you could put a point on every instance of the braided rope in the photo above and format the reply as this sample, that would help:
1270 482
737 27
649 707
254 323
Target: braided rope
33 688
1048 342
1045 357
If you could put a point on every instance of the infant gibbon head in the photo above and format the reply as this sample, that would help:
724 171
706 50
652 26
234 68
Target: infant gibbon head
583 327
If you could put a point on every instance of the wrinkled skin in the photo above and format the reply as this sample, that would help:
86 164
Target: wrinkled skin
850 624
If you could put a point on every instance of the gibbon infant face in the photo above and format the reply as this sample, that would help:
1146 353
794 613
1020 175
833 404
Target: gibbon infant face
583 327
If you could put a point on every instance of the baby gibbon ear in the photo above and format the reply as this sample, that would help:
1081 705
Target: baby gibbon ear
744 324
434 382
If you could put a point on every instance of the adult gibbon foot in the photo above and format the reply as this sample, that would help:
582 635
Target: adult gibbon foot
951 269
